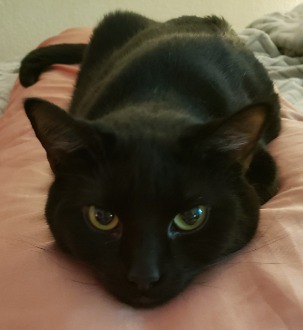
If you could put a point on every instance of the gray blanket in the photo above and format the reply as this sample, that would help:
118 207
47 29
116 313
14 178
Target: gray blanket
277 41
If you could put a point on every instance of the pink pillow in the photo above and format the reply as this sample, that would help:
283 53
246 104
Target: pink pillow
40 288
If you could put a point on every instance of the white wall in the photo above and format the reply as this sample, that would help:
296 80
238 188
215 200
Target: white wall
25 23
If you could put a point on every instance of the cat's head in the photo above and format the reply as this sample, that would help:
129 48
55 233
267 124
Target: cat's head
149 209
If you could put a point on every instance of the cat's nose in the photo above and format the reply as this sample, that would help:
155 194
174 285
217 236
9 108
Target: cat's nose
144 281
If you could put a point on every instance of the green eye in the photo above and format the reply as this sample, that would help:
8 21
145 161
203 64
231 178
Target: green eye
101 219
191 219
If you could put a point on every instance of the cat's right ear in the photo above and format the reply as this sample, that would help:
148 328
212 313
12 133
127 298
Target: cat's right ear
240 134
57 131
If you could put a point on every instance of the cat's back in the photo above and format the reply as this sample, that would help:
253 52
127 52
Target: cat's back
154 40
193 59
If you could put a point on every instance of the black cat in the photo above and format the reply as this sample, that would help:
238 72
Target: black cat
161 166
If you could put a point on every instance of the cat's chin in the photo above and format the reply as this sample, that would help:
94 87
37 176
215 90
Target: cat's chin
144 302
141 300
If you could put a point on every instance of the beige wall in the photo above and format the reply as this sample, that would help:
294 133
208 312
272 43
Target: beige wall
24 23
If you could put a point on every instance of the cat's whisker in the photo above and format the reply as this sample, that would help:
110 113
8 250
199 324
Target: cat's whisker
263 263
204 284
23 241
92 284
274 240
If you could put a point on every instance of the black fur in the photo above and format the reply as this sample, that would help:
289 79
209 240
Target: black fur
164 117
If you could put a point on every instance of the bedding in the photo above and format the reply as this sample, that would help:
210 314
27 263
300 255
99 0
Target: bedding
260 287
8 75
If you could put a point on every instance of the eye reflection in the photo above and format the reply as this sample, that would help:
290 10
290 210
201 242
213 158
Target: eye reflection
101 219
191 219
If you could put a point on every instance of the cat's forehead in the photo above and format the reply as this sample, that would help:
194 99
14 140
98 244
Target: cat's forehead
152 118
151 172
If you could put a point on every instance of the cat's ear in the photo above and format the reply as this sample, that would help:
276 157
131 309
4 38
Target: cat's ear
240 133
56 130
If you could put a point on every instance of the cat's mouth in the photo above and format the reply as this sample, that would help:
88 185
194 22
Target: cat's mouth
127 293
139 299
148 299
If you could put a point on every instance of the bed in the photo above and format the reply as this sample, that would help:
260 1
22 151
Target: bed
261 287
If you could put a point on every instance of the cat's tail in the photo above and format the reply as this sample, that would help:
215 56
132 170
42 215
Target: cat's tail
40 59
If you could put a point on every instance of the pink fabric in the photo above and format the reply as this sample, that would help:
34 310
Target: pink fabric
40 288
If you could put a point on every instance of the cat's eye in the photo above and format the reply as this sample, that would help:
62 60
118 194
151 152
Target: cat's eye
102 219
190 219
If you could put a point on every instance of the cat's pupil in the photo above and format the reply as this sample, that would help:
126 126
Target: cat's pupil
191 216
103 217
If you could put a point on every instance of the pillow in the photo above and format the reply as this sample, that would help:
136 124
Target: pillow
261 287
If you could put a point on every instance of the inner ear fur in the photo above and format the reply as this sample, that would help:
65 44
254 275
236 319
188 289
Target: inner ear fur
240 133
60 134
57 131
237 135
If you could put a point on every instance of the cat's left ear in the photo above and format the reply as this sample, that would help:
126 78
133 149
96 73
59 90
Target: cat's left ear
57 131
240 133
